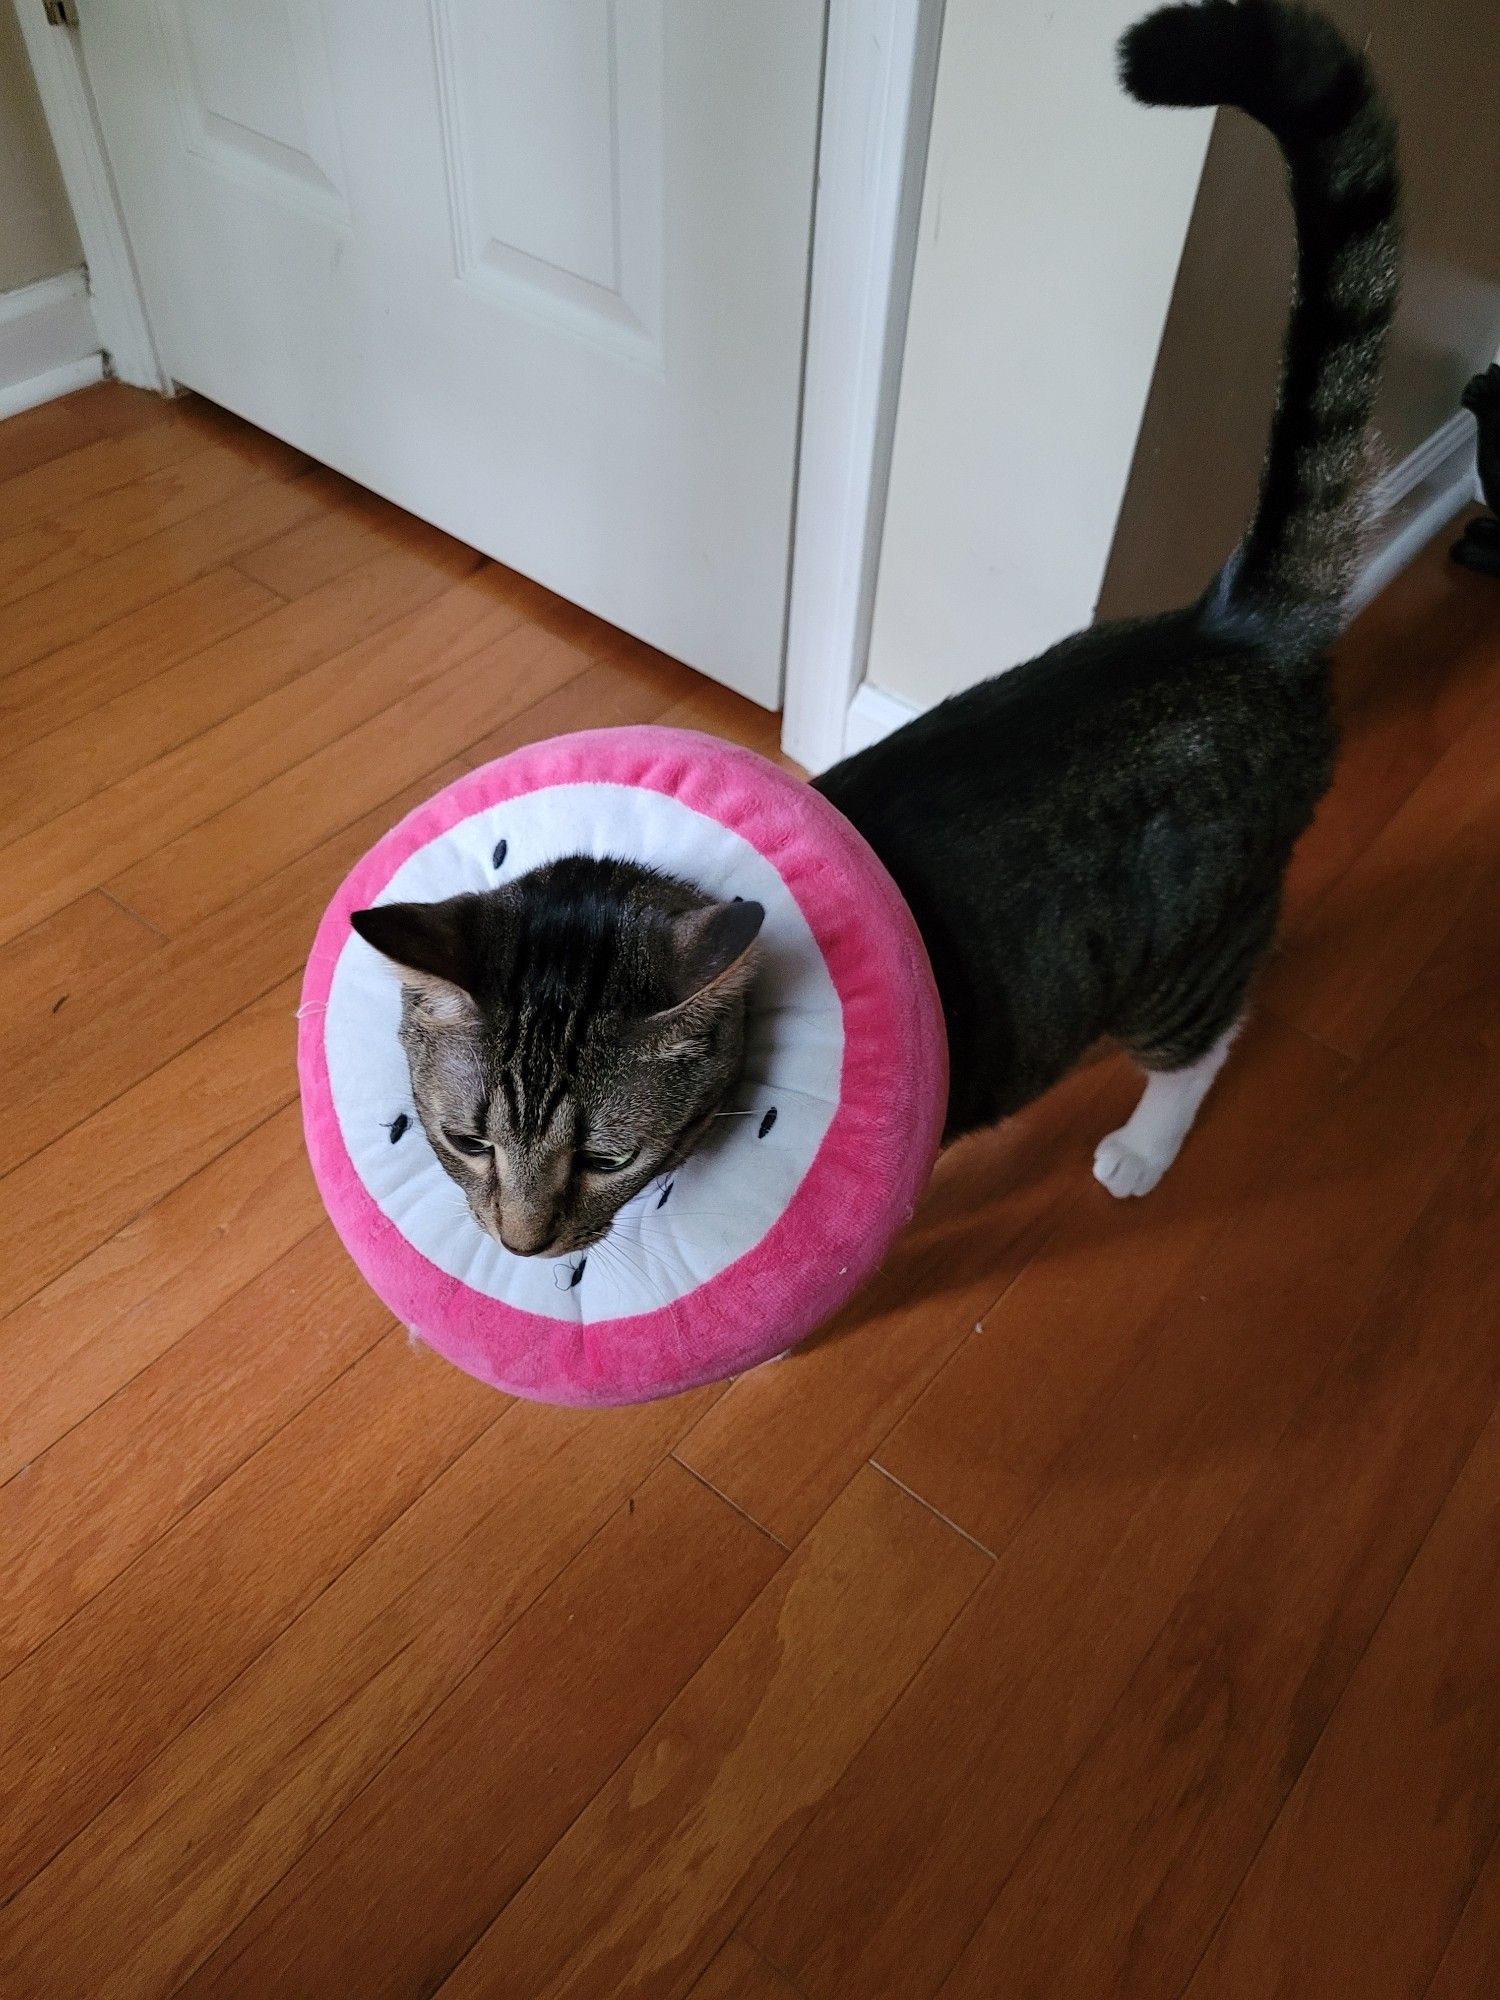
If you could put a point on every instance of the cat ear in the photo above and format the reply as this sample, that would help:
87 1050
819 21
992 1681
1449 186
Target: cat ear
432 947
713 956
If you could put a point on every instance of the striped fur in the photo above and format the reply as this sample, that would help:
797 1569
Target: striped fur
1289 68
568 1035
1094 842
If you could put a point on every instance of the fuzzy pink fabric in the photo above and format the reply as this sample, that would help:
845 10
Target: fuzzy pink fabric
863 1182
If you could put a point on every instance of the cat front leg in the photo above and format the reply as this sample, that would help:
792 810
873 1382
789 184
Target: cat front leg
1132 1160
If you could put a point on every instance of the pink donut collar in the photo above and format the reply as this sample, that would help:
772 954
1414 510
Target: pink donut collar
777 1219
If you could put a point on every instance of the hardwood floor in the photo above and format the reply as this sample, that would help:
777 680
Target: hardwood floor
1108 1605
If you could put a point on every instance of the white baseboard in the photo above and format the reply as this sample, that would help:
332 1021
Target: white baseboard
874 714
49 344
1414 501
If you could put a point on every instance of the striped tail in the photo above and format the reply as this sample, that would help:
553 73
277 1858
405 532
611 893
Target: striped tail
1291 69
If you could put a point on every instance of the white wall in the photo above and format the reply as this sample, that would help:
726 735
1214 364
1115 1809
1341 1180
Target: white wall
1054 215
38 237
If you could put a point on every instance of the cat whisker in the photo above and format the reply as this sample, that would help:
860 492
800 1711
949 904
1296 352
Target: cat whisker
616 1251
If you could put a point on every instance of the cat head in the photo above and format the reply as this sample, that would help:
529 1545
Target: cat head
569 1036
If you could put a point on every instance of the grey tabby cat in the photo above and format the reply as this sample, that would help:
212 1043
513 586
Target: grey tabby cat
1092 845
569 1035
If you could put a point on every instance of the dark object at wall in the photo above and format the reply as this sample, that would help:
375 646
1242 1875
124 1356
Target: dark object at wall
1479 547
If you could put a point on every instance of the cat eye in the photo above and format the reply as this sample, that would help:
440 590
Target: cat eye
609 1163
466 1143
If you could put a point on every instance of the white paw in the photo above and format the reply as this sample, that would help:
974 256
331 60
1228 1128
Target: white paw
1123 1170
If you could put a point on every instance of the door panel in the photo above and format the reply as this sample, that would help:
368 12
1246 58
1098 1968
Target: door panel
254 97
535 269
552 128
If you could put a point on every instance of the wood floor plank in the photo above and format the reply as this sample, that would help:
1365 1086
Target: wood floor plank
85 678
718 711
884 1892
99 526
514 692
325 1670
538 606
57 965
1399 1803
99 1703
101 466
1388 910
1470 1967
502 671
109 831
86 1508
80 761
380 1907
66 1200
979 1443
785 1440
738 1973
119 1032
36 436
645 1888
83 1337
1413 673
82 603
355 526
301 1732
1121 1898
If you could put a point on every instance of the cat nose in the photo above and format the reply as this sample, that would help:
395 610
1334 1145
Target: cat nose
525 1236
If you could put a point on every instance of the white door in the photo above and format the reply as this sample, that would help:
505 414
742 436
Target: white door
535 269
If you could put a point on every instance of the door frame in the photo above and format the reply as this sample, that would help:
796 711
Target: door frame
879 74
114 286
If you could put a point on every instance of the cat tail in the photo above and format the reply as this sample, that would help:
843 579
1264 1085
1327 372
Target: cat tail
1290 69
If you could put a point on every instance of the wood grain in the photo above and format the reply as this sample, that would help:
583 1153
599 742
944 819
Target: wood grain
1248 1670
88 1506
498 672
1398 899
69 776
91 529
325 1670
82 1337
1471 1964
123 823
642 1891
1413 674
717 712
119 1033
67 1199
880 1900
60 962
786 1440
100 466
353 528
299 1736
80 680
100 1702
83 603
1399 1803
378 1906
51 430
738 1973
505 694
979 1443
